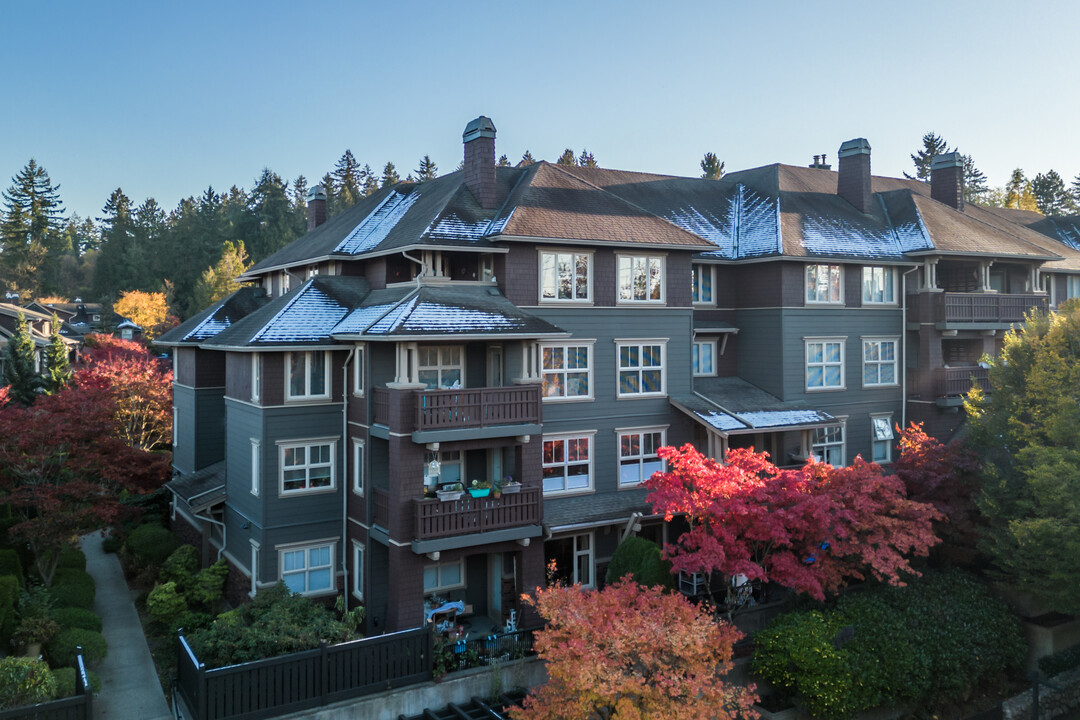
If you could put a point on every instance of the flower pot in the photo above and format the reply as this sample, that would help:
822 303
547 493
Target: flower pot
448 495
511 488
480 492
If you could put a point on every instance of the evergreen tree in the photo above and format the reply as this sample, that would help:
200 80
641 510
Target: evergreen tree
82 234
428 170
1050 194
149 249
57 364
586 159
526 159
503 161
390 176
20 365
933 145
275 223
371 183
327 183
32 240
975 188
567 158
347 183
112 273
1018 194
711 167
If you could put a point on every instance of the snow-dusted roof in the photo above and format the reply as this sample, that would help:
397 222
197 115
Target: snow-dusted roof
216 319
730 404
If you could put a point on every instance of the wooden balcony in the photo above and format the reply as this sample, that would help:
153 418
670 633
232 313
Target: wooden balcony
436 519
429 412
989 308
957 381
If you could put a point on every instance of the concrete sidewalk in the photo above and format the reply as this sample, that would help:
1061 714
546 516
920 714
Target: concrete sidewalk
129 684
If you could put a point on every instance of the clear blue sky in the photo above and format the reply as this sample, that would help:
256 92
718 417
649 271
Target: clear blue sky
165 99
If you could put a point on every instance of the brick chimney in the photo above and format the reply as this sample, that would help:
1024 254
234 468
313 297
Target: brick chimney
479 139
947 179
853 179
316 207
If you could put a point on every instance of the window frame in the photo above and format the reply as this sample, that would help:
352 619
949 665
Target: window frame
562 372
307 444
889 275
439 367
839 284
696 276
359 370
307 395
841 427
631 257
438 567
640 369
359 454
256 377
357 584
1072 286
588 256
823 341
890 441
695 359
590 437
641 457
306 548
879 363
256 466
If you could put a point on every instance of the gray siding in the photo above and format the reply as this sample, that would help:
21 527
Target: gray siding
200 433
761 358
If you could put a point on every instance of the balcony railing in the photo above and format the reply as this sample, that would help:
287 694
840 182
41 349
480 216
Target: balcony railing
987 307
382 509
953 382
467 407
440 519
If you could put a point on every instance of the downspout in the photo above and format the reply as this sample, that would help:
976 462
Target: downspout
344 480
903 347
423 267
224 530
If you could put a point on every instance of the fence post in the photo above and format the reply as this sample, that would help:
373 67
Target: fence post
204 701
430 651
324 672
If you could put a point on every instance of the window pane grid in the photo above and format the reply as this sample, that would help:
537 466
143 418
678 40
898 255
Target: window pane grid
878 285
638 456
565 371
307 468
566 464
564 276
306 570
879 362
828 444
823 283
824 364
641 279
641 369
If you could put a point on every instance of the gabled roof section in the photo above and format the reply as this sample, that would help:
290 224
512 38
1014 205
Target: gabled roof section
1060 235
976 231
218 317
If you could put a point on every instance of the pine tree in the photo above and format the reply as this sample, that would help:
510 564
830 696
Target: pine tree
20 364
586 159
275 224
1050 194
390 176
428 170
711 167
975 187
1075 191
933 145
371 183
82 234
57 364
111 275
526 159
32 240
503 161
567 158
347 183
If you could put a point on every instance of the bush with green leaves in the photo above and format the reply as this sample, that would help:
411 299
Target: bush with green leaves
25 681
275 623
209 586
1059 662
937 639
10 564
62 650
180 567
75 617
151 545
9 599
165 605
65 681
641 559
72 588
72 557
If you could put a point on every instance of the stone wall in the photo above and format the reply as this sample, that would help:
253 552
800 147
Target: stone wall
1052 703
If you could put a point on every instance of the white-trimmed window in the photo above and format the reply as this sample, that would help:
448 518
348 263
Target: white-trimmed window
637 455
567 464
641 278
307 569
357 570
828 445
879 362
358 467
444 576
307 374
704 358
881 432
256 465
359 371
566 371
1072 287
306 467
641 368
879 285
565 276
704 277
824 284
256 377
573 558
825 364
440 366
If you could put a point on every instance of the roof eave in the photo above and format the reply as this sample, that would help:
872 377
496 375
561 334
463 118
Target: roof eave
703 247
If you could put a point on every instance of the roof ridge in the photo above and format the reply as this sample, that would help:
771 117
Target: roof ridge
1005 231
299 293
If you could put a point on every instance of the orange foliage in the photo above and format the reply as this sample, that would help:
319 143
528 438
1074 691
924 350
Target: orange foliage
150 311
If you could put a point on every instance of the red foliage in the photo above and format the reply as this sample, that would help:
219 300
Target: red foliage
810 529
631 653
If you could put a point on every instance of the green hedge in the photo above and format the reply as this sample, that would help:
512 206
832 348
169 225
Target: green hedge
180 567
151 545
10 564
25 681
65 681
934 640
9 600
63 649
72 557
72 588
641 559
77 617
1059 662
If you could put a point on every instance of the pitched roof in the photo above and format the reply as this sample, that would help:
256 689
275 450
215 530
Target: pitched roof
216 318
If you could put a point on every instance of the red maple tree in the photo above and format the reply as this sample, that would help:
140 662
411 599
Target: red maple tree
810 529
629 653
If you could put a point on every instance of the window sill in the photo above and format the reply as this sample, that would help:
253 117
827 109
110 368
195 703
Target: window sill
554 494
641 396
557 400
879 386
301 493
548 301
826 389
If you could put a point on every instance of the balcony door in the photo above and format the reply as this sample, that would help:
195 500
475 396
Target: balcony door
441 367
495 366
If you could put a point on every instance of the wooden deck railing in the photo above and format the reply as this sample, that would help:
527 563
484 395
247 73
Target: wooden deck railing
466 408
956 381
439 519
987 307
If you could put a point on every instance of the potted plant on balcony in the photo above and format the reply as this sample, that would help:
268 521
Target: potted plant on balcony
451 491
480 488
509 486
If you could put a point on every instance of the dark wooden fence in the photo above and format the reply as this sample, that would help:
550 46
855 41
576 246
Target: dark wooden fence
439 519
988 307
77 707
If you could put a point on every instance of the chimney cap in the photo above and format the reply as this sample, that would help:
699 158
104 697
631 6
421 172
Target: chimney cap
858 146
316 193
947 160
481 127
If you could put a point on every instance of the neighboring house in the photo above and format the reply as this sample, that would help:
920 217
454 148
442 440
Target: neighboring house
557 325
40 326
128 330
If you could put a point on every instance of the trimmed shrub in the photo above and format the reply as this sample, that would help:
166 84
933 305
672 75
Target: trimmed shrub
181 567
72 557
65 681
72 588
1059 662
9 599
151 545
210 584
25 681
165 605
76 617
192 621
62 649
641 559
11 565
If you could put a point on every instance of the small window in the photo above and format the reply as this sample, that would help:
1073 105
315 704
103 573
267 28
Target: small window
359 371
703 284
307 373
256 465
307 468
566 371
358 467
565 276
638 458
444 576
829 445
882 431
823 284
641 369
704 360
567 464
1072 287
256 377
357 570
879 362
308 570
824 364
879 285
641 278
440 366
